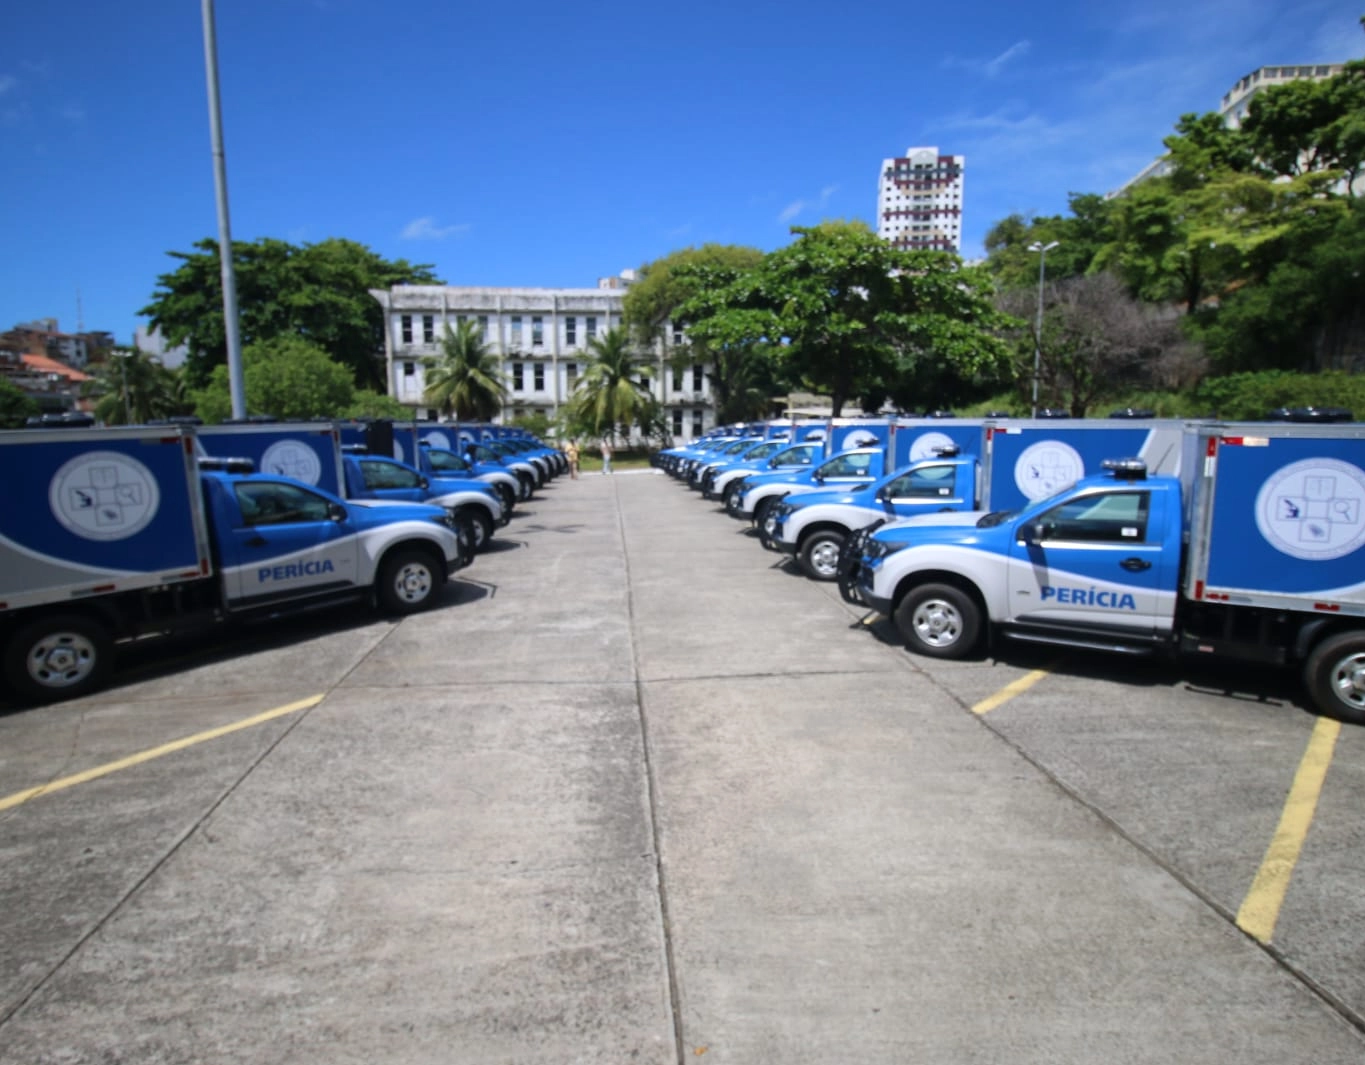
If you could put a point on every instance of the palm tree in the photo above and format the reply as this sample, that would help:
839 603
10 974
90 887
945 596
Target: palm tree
468 378
134 388
609 397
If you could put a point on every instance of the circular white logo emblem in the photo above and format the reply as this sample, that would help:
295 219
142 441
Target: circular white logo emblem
1313 509
103 495
858 438
398 452
436 438
1047 467
289 458
924 445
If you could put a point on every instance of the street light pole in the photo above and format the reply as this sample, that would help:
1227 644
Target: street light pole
1042 250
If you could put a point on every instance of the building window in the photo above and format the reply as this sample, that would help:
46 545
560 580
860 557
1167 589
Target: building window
571 374
696 377
696 423
644 381
678 337
428 328
409 369
677 381
407 329
516 329
571 330
538 376
590 327
518 378
483 326
537 330
677 421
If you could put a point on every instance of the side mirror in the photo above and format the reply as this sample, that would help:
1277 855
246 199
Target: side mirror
336 512
422 482
884 492
1035 532
818 477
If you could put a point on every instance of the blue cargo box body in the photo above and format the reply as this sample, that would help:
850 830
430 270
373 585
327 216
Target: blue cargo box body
1279 518
919 438
845 434
1030 460
306 451
97 511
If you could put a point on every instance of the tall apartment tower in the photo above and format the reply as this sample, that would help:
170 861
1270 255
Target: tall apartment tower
919 200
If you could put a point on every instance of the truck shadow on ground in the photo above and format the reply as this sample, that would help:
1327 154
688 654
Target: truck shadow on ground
155 659
1243 682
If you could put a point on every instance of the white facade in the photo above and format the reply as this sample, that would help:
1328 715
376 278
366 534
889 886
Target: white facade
919 200
541 337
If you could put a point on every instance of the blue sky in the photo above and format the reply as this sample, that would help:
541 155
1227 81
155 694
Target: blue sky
551 144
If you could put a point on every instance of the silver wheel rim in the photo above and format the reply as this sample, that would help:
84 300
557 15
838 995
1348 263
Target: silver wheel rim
1348 680
937 623
824 558
478 534
61 660
412 583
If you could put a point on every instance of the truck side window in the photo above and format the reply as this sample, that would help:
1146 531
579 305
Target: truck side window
847 466
1104 517
925 482
276 504
445 460
387 475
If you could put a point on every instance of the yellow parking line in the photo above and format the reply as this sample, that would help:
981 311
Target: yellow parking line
1261 908
20 797
1009 691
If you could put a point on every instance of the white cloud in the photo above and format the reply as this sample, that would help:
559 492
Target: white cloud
426 229
989 68
797 207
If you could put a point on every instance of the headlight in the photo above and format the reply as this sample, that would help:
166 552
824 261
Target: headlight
876 550
741 486
781 510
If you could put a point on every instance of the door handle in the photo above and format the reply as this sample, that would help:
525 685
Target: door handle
1135 565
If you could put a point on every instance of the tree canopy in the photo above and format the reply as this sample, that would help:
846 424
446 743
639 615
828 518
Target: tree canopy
315 292
467 380
287 378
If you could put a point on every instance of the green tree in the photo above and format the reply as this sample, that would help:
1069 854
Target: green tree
608 399
317 292
1079 237
1305 126
846 313
467 379
15 406
368 404
131 387
287 378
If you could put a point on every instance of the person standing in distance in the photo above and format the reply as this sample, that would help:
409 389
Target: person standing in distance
606 457
571 453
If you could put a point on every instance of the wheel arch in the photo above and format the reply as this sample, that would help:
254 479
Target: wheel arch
937 576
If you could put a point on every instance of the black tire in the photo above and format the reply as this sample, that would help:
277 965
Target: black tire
728 496
480 526
527 484
939 621
408 581
59 657
508 496
1334 675
761 511
820 554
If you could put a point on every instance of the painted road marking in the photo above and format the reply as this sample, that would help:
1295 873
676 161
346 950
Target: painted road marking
19 797
1009 691
1261 908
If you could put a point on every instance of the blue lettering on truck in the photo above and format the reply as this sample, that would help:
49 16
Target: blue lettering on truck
294 570
1090 597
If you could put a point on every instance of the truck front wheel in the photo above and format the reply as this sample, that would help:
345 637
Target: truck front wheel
820 554
480 525
60 657
408 580
1335 677
939 620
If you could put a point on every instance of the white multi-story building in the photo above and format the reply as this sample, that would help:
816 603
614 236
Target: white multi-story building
1236 105
919 200
541 336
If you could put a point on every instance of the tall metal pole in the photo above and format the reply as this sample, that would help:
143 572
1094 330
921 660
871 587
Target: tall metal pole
1042 250
234 342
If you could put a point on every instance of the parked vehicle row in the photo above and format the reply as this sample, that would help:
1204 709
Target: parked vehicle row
115 535
1210 539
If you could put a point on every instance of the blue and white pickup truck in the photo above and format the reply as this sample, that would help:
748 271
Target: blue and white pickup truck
434 449
112 535
1009 466
858 452
1255 552
722 481
314 452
